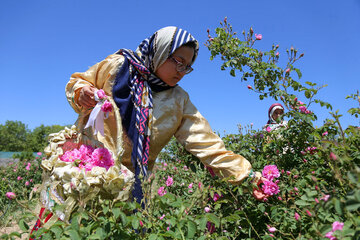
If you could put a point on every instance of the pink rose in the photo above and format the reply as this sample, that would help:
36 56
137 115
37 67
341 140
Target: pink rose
39 153
162 217
207 209
337 226
169 181
161 191
270 188
308 213
325 198
19 178
141 223
107 107
211 171
190 185
27 183
268 129
101 94
277 54
325 133
10 195
216 197
271 229
258 36
28 166
297 216
330 236
270 172
333 156
287 70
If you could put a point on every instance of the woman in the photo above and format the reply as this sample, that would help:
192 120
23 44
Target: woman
275 121
150 108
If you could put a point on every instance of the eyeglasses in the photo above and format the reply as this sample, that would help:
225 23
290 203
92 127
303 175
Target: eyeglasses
180 67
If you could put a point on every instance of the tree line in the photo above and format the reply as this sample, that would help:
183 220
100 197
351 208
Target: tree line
16 137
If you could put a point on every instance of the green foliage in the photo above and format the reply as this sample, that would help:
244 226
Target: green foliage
16 137
13 136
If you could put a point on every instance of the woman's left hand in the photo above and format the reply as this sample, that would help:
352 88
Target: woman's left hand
257 191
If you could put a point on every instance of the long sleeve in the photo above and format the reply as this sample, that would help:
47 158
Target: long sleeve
198 138
97 76
100 76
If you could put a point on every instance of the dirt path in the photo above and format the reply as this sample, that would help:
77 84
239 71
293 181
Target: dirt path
14 227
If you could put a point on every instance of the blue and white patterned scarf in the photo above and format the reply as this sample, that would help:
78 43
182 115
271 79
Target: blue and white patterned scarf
132 91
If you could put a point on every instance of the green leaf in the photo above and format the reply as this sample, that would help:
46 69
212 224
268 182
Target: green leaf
135 223
14 234
338 207
153 237
298 73
124 219
23 225
74 235
191 229
213 218
302 203
116 212
57 231
202 223
352 205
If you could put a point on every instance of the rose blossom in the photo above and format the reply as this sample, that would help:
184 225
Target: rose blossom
270 172
161 191
308 213
297 216
325 133
270 188
268 129
10 195
216 197
28 166
101 94
107 107
325 198
39 153
249 87
271 229
333 156
258 36
337 226
27 183
207 209
162 217
169 181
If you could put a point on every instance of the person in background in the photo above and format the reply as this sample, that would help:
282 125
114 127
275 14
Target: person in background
275 115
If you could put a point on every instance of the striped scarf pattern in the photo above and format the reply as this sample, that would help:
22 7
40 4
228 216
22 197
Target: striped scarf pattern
138 74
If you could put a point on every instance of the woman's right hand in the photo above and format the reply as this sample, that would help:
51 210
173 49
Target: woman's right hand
86 97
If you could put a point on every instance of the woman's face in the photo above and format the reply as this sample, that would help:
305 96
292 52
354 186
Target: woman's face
167 71
277 113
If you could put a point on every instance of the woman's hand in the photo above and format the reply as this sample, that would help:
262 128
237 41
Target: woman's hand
86 97
257 191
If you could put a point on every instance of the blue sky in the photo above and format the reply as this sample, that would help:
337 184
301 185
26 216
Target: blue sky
43 42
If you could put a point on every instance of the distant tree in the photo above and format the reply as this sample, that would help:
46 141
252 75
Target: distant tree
14 136
38 138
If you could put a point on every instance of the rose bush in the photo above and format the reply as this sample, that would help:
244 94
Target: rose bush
313 172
